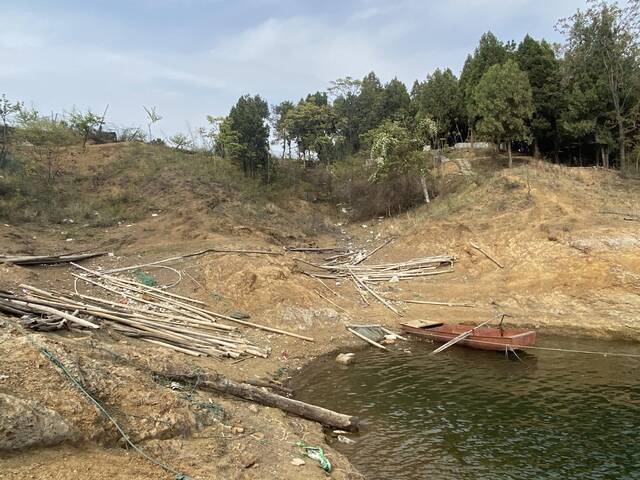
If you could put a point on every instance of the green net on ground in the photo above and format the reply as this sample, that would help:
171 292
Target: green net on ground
316 453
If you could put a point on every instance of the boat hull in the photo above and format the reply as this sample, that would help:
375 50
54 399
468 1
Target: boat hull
483 338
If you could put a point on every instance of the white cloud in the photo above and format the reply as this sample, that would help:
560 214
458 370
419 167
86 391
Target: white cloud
280 57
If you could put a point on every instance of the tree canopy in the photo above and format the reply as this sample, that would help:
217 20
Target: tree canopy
503 104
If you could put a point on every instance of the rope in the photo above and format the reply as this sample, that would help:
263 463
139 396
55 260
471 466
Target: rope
56 361
564 350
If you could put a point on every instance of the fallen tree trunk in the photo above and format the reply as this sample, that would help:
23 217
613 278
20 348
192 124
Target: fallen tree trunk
220 383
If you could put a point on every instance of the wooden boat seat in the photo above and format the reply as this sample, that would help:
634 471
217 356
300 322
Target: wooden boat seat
422 324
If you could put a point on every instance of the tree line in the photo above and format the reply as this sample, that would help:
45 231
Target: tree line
575 103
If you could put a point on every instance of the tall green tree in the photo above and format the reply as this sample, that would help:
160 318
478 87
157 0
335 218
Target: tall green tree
311 124
370 103
280 125
245 135
440 98
503 104
603 48
539 62
490 51
396 101
345 92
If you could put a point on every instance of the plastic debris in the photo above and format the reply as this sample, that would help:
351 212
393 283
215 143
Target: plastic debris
316 453
347 440
145 279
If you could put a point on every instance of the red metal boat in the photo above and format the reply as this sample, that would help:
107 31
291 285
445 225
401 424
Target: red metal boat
483 338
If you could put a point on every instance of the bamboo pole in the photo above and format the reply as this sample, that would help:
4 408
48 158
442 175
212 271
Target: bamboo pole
366 339
457 339
486 254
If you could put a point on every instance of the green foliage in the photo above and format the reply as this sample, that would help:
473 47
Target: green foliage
8 110
440 98
490 51
394 149
180 141
84 123
42 141
539 62
153 117
244 135
396 101
603 70
345 106
310 124
503 103
280 125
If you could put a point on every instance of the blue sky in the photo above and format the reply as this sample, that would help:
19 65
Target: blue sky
190 58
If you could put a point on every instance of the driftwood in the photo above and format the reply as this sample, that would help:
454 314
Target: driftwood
486 255
47 259
219 383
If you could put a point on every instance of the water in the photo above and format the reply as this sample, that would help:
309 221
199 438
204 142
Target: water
467 414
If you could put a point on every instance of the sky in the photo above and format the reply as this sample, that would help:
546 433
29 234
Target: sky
193 58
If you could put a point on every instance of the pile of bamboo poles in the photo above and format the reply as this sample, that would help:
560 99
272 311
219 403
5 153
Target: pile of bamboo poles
136 310
385 272
351 267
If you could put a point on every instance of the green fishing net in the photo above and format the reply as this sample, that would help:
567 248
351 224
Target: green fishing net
316 453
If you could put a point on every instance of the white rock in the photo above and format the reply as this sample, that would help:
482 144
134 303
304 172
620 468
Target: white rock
388 340
346 358
298 462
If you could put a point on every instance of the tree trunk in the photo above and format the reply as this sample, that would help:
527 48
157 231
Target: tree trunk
509 151
536 149
621 142
423 181
219 383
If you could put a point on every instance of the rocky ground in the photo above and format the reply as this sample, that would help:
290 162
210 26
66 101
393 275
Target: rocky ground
571 266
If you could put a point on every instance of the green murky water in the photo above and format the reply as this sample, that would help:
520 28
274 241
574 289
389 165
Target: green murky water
467 414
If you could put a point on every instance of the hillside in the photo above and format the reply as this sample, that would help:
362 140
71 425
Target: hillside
570 266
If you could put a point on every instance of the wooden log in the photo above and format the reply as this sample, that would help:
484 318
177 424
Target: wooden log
48 259
219 383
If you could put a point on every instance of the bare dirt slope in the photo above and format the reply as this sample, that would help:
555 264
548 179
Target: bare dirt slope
568 266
